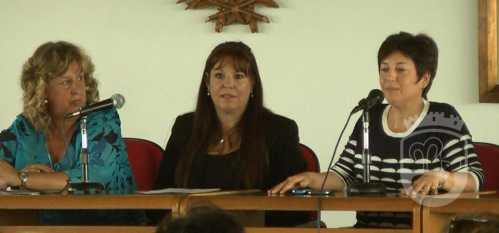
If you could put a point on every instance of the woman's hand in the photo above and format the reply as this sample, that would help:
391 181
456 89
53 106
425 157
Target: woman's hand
35 168
302 180
8 175
3 184
428 183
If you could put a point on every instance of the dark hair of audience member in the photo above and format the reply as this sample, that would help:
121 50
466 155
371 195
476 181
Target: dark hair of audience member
201 219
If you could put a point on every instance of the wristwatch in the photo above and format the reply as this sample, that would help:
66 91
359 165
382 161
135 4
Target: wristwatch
23 177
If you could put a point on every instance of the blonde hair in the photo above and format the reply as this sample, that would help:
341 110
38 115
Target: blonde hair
49 61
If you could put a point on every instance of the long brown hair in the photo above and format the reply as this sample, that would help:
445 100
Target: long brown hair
253 155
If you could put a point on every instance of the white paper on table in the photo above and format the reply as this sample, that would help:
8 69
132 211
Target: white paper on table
178 191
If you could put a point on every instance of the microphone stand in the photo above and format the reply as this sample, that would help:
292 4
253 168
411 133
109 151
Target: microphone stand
85 187
366 187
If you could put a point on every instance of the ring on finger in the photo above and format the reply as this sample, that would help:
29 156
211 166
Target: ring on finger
425 189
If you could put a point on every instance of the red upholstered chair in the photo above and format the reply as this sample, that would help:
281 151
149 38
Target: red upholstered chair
488 155
312 166
310 157
145 157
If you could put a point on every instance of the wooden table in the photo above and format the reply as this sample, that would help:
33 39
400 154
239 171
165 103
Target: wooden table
433 216
438 211
179 204
312 203
17 213
12 202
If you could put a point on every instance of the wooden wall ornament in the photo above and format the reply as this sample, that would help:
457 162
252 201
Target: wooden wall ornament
488 84
233 12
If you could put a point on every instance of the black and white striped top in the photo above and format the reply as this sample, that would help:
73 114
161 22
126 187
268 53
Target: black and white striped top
438 139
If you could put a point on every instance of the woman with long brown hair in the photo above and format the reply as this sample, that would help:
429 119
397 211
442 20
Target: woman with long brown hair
232 141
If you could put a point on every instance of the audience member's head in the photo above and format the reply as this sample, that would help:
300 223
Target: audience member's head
202 219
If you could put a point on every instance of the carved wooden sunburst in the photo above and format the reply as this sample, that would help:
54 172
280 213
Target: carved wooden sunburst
232 12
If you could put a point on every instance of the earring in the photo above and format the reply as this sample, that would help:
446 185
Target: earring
251 94
45 101
208 93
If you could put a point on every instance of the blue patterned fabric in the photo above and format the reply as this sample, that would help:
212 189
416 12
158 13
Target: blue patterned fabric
21 145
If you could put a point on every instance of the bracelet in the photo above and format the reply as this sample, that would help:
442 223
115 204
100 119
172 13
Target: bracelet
445 177
23 177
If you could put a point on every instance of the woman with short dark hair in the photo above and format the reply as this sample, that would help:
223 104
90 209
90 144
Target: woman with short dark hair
416 146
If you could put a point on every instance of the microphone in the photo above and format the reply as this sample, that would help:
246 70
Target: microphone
375 97
117 100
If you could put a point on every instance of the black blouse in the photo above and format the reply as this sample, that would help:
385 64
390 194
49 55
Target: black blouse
284 160
219 171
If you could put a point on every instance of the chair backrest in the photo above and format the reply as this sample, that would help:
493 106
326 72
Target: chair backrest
488 154
312 166
310 157
145 158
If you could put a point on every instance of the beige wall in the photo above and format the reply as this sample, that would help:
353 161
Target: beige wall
317 58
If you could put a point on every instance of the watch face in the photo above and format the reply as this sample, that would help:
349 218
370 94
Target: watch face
23 176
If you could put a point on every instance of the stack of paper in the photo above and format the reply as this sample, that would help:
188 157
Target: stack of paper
178 191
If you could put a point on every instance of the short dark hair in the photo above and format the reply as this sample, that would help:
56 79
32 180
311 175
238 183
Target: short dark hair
421 48
202 219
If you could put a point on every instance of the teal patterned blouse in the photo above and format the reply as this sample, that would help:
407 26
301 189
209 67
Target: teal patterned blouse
21 145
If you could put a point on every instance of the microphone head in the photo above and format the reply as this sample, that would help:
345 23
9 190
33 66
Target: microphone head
376 93
118 100
375 97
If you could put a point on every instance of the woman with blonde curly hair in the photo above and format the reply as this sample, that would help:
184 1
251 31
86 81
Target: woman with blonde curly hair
40 150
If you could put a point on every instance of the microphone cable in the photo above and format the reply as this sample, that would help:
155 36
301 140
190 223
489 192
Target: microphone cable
375 97
319 199
334 152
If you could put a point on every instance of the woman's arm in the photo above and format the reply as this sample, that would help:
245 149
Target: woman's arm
46 181
311 180
460 181
180 133
430 182
9 176
462 171
285 158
